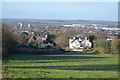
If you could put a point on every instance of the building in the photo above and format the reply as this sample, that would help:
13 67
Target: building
79 43
109 37
72 25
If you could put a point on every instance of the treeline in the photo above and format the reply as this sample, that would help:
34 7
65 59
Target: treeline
107 47
101 45
10 41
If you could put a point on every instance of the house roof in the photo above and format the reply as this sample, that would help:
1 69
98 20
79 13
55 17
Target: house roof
77 38
22 45
109 36
39 40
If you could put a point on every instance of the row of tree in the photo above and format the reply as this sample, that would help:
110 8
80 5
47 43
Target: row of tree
10 41
108 46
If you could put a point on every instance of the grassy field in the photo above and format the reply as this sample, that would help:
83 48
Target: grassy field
67 65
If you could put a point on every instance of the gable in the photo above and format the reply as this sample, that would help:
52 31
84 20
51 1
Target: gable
75 42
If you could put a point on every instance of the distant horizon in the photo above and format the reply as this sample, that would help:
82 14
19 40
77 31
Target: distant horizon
57 19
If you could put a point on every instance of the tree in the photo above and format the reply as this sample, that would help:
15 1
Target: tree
9 41
25 36
50 38
62 39
92 37
103 46
115 46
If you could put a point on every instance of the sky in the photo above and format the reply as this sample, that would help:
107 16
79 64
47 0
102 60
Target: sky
60 0
105 11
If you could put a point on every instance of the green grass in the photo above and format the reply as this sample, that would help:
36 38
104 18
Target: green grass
67 65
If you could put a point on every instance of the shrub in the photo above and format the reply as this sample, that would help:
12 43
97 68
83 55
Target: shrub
9 42
103 46
62 40
33 45
115 46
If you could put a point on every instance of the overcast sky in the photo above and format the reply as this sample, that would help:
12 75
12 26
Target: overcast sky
107 11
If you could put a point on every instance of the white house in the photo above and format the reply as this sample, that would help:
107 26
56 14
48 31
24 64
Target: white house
79 43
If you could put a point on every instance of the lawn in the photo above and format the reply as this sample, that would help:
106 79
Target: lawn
67 65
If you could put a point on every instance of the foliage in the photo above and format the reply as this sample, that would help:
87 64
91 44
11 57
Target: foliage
115 46
91 37
24 37
62 39
118 36
33 45
9 41
95 36
50 38
103 46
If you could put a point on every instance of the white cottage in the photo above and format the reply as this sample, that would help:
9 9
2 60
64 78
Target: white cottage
79 43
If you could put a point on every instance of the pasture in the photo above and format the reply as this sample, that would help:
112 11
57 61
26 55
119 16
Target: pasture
66 65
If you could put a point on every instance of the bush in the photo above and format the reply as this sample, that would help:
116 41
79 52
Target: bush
9 42
33 45
62 40
103 46
115 46
117 35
